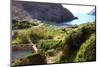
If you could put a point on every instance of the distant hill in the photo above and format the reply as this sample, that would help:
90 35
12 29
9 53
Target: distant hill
93 12
27 11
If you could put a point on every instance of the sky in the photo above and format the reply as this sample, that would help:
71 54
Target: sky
83 9
73 9
91 2
79 9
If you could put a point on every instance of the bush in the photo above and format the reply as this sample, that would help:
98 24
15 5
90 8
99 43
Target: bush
28 35
50 37
16 63
49 44
38 33
22 37
16 41
22 24
87 51
76 37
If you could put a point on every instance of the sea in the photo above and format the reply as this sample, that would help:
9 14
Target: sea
82 18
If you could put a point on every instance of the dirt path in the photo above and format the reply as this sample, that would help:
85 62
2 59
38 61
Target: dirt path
35 48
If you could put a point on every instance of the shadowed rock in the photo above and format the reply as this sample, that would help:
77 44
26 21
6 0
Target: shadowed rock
34 59
27 11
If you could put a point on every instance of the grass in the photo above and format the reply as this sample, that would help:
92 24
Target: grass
80 41
36 34
81 53
76 38
15 63
22 24
49 44
21 38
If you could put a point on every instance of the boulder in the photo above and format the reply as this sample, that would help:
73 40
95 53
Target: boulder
33 59
27 11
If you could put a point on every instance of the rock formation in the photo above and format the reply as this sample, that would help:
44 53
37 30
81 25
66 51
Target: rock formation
27 11
92 12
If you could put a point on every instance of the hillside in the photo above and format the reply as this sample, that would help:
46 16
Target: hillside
27 11
76 44
39 38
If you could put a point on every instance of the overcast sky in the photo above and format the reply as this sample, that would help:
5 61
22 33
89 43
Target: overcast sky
79 9
73 9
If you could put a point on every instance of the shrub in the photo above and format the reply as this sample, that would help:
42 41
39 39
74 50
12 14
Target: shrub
76 37
49 44
16 41
28 35
16 63
22 24
23 36
38 33
87 51
50 37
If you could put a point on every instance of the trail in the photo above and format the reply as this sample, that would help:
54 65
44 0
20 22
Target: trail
35 48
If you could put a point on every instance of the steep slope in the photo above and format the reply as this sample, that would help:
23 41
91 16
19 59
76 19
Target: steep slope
81 43
78 45
26 11
18 12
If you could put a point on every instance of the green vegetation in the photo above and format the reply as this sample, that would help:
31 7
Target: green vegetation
49 44
87 50
34 58
64 45
76 39
29 35
22 24
35 34
22 37
15 63
38 33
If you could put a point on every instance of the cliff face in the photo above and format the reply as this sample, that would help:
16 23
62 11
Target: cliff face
27 11
93 12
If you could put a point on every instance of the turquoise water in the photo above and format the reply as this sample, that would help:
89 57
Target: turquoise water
82 18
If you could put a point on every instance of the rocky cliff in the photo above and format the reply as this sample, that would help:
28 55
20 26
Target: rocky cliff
27 11
92 12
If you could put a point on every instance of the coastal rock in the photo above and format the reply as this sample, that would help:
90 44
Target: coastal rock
27 11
